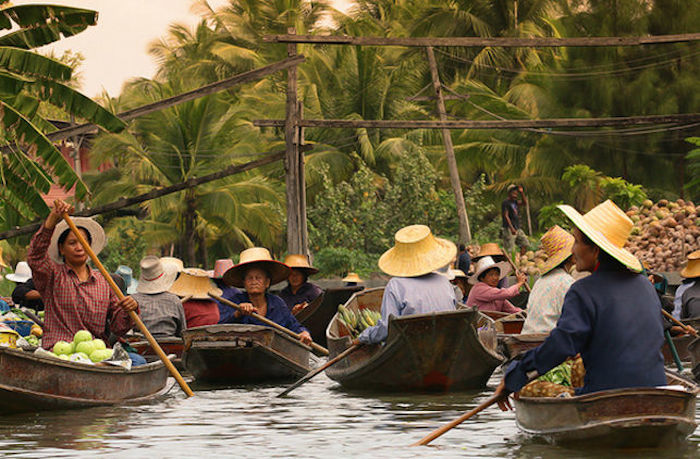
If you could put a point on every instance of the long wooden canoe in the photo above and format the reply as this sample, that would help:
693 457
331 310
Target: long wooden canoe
29 382
171 346
636 417
441 351
316 316
241 354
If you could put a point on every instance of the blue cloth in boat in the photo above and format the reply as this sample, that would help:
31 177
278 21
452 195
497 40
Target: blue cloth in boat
277 312
613 319
405 296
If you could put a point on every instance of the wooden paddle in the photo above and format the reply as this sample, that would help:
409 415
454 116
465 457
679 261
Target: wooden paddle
320 350
527 286
135 317
318 370
688 329
438 432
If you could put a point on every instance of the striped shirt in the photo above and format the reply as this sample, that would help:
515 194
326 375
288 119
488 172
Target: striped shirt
162 313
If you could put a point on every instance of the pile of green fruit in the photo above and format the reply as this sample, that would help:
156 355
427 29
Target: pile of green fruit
83 346
33 340
357 322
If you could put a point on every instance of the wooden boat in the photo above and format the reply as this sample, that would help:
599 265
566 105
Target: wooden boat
636 417
440 351
694 350
316 316
681 342
509 324
512 345
239 354
29 382
171 346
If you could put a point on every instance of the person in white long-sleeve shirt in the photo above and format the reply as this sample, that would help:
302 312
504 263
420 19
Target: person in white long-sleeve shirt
690 274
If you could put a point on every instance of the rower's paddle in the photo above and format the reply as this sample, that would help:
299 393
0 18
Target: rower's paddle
135 317
318 370
515 269
438 432
320 350
687 328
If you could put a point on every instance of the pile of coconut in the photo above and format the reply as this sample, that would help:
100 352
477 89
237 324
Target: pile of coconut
530 263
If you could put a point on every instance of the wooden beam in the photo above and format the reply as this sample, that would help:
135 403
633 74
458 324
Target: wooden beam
493 124
503 42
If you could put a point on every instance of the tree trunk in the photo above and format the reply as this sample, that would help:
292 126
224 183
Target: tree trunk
189 236
203 254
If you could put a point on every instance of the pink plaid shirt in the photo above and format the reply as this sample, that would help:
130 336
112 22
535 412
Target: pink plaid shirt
72 305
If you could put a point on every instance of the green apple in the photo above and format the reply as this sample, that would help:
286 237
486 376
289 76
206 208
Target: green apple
86 347
99 344
61 348
82 335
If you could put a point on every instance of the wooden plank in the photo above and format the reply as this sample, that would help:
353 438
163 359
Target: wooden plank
503 42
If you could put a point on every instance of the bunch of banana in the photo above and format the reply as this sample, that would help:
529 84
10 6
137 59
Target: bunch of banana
357 322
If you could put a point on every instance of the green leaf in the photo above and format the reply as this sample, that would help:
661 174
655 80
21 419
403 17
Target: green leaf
29 63
33 16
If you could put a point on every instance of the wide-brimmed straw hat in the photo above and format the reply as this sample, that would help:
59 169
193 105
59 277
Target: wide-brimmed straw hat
154 278
608 227
691 270
194 283
96 232
489 249
256 257
300 262
220 267
486 263
352 277
416 252
557 244
22 273
453 274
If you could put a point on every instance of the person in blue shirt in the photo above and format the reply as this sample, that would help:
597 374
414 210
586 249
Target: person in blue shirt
612 317
255 272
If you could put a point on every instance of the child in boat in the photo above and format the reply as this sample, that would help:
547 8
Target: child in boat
485 293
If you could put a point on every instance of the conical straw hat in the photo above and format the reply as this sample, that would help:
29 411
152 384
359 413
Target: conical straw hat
300 262
557 244
486 263
352 277
488 250
97 236
256 257
194 283
416 252
607 226
692 269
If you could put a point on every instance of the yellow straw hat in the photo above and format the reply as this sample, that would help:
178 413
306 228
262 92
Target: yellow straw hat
195 283
258 257
300 262
352 277
692 269
416 252
557 244
489 249
608 227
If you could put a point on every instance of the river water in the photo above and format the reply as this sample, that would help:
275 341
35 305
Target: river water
318 419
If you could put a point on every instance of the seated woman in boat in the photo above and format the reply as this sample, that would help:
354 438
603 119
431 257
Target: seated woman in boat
161 311
193 286
485 293
691 276
612 317
493 250
299 292
461 282
255 272
414 288
217 276
547 296
75 296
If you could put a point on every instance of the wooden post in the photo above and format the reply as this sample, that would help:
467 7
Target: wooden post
291 160
302 185
465 236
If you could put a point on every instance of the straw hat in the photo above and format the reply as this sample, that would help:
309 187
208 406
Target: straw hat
97 235
352 277
220 267
557 244
416 252
488 250
300 262
258 257
22 273
453 274
487 263
172 264
691 270
609 228
154 278
194 283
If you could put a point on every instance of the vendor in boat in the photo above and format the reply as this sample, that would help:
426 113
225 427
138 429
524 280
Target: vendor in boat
299 292
687 299
217 276
161 311
461 282
612 317
547 296
256 272
415 287
491 249
485 293
75 296
193 286
25 293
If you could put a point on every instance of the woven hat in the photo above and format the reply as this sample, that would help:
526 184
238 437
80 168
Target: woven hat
691 270
487 263
453 274
416 252
172 264
22 273
488 250
258 257
352 277
608 227
96 232
300 262
154 278
557 244
194 283
220 267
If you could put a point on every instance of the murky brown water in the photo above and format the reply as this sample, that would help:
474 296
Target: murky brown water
318 420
